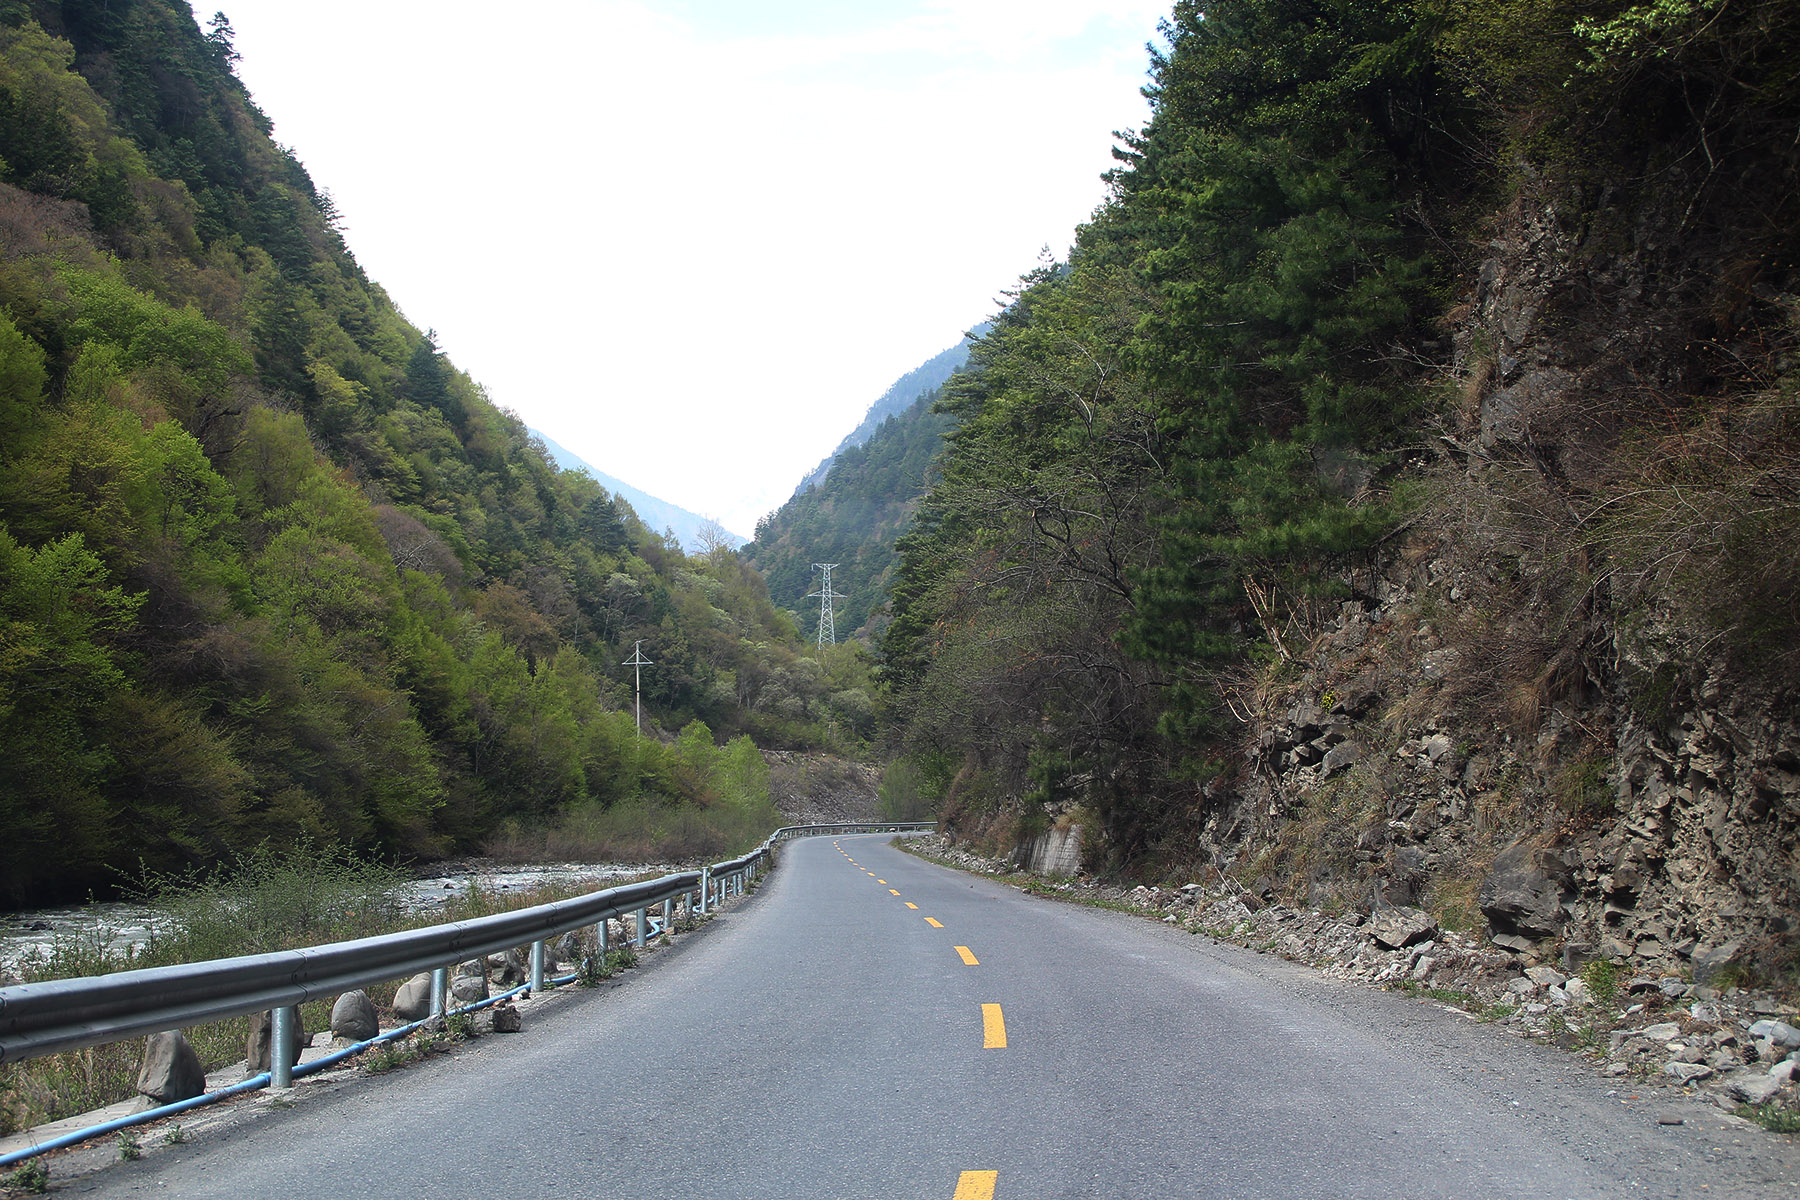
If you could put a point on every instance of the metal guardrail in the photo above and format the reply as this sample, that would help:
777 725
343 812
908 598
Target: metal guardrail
67 1014
792 831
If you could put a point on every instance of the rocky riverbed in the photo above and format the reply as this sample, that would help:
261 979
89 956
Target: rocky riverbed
1736 1047
120 925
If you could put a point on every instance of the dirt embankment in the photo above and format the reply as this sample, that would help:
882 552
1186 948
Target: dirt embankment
812 789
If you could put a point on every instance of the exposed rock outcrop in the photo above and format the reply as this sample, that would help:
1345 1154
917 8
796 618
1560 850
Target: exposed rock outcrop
1497 726
819 788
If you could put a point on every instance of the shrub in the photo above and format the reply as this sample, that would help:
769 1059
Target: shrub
31 1178
1602 978
1772 1117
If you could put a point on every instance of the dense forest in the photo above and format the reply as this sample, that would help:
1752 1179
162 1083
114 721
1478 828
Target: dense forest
270 566
852 517
901 395
1504 285
851 508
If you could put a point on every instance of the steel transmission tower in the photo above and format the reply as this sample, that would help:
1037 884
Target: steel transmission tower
827 627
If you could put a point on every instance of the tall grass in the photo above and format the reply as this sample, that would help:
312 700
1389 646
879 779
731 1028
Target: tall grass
270 899
263 900
640 830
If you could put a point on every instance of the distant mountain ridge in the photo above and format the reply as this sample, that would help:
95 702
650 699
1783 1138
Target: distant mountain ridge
851 509
657 513
905 391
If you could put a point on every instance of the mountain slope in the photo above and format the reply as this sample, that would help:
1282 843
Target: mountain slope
851 518
1396 499
905 391
694 532
270 566
856 503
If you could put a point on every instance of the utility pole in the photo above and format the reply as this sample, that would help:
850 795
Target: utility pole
827 627
638 662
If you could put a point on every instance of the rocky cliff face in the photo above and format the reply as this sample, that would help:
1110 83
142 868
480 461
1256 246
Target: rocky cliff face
1530 718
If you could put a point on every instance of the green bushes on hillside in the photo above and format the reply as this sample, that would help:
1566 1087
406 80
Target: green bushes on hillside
270 566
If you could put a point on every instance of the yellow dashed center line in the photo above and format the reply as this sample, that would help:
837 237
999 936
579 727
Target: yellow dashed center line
892 892
911 905
934 922
993 1028
881 881
969 959
976 1185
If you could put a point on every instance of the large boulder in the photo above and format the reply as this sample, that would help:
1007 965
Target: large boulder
257 1048
353 1017
1523 893
1753 1088
508 966
413 1001
1398 927
1340 757
171 1070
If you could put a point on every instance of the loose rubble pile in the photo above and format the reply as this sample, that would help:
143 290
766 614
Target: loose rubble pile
1731 1046
819 789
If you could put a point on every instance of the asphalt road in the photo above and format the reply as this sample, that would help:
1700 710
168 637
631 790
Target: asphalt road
872 1025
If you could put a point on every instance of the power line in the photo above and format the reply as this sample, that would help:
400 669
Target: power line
827 622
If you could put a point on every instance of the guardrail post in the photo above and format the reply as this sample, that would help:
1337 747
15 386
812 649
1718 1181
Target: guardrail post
705 889
440 989
537 967
640 922
602 942
669 918
282 1022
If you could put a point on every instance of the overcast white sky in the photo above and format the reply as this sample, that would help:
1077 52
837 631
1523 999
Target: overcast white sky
693 240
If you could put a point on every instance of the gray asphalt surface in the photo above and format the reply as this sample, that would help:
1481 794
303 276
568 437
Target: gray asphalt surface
823 1040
